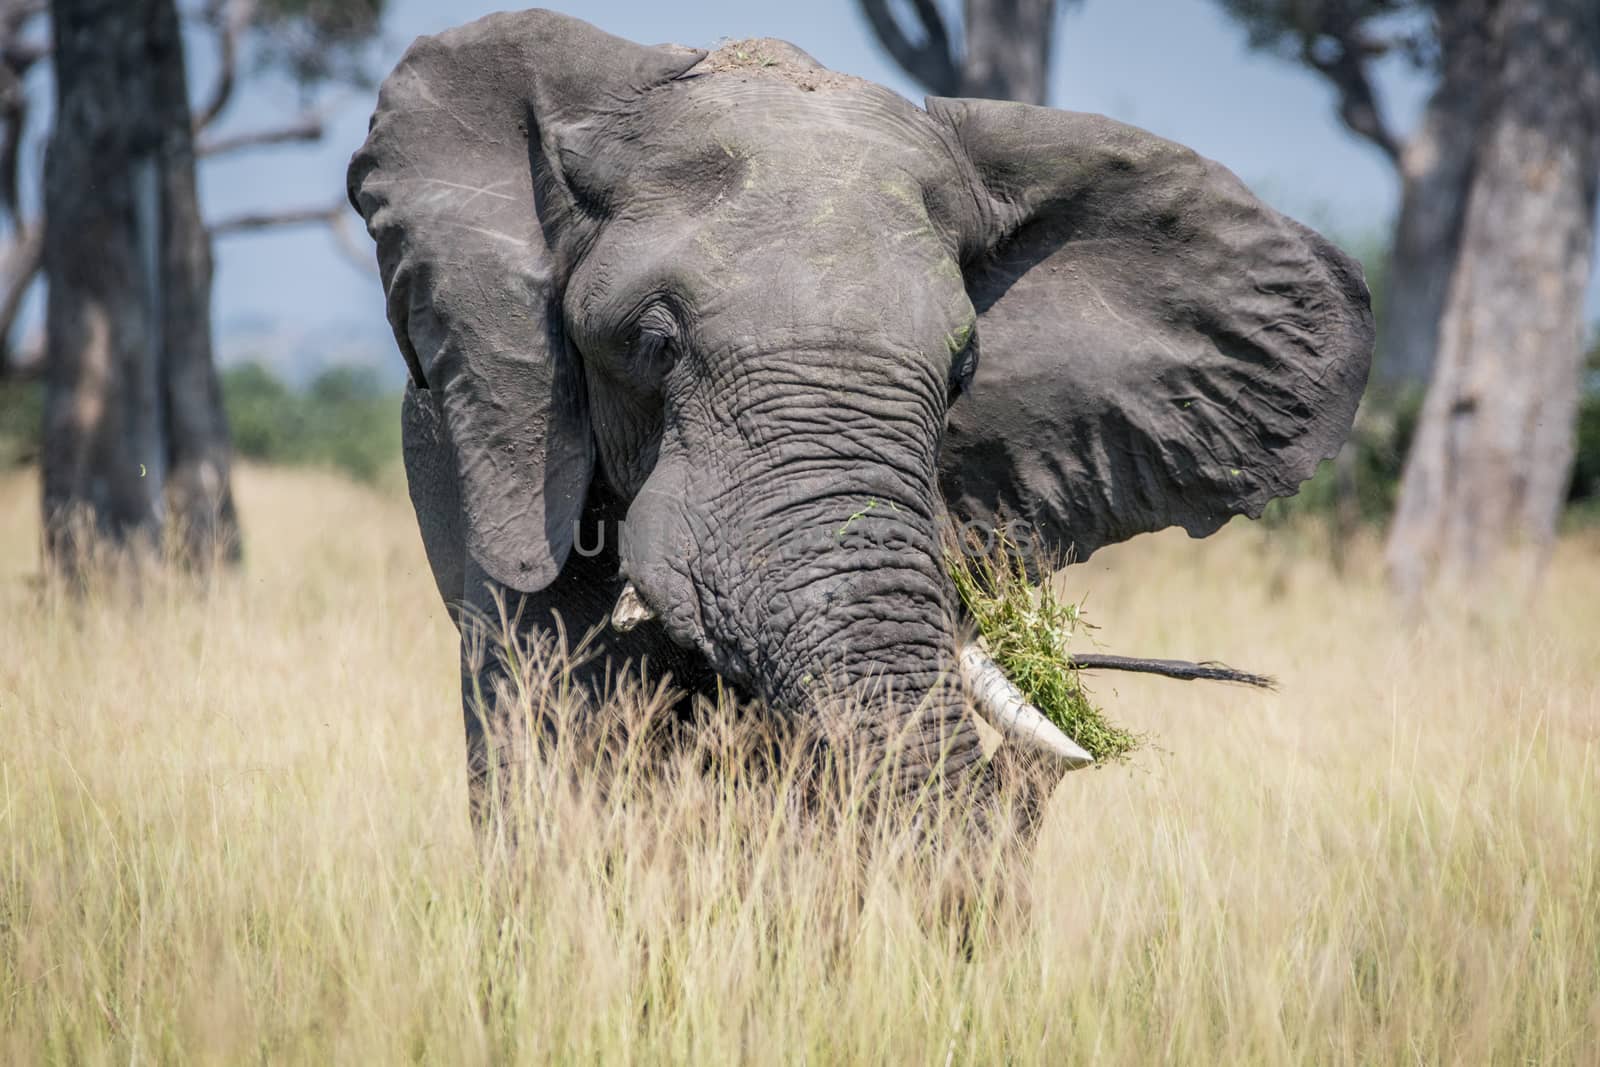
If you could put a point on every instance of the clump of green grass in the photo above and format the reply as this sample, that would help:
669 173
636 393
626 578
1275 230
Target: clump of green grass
1026 629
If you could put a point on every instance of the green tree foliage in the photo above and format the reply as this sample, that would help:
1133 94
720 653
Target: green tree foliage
21 420
1586 465
1339 39
318 41
1320 32
1386 424
344 419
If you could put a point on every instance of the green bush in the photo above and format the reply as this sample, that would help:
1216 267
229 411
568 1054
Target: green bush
1586 465
1376 461
1369 476
21 421
1376 452
345 419
1586 461
263 413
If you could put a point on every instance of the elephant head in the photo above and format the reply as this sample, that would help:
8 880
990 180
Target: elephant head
792 319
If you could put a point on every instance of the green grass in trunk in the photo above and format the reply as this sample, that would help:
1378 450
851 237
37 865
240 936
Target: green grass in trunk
1026 629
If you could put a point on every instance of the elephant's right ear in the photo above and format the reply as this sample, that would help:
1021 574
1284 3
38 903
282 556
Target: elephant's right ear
1158 346
460 182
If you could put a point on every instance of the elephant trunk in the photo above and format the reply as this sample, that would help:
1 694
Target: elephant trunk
994 695
816 586
866 637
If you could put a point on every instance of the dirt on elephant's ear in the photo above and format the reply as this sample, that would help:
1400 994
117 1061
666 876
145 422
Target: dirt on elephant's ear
770 56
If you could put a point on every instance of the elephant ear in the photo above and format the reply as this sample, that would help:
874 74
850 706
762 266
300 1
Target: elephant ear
435 494
460 183
1158 347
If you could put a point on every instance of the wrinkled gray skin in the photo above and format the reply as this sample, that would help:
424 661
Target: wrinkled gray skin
739 300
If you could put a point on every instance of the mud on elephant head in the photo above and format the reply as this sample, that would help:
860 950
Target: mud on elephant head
752 303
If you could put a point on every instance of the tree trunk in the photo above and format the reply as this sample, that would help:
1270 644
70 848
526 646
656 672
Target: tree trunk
1493 451
1007 53
1435 175
135 442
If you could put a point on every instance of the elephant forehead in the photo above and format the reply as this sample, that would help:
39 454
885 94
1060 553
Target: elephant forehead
778 135
755 199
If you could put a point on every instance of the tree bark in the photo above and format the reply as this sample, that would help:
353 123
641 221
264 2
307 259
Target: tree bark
1488 469
1435 166
1007 53
135 441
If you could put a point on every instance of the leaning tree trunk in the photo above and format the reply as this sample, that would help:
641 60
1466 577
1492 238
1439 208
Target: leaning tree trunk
1007 55
135 443
1435 167
1493 451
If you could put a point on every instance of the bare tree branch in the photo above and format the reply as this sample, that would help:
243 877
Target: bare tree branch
22 263
20 55
251 222
13 123
1358 105
335 216
1348 71
24 256
352 247
24 363
1181 669
228 20
305 129
932 63
18 11
16 56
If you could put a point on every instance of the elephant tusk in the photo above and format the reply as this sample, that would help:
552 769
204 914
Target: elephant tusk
630 611
1009 711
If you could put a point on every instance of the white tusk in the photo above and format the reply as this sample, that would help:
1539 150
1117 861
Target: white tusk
1004 706
630 611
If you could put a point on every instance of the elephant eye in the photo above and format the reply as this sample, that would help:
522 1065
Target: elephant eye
653 337
962 367
647 345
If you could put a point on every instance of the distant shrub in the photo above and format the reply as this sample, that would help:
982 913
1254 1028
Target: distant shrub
1378 447
348 420
1382 435
1371 472
1586 462
345 419
21 421
263 412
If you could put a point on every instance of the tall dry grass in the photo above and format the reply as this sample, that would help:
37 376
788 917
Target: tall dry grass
233 828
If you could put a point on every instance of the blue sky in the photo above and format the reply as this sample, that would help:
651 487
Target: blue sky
1176 67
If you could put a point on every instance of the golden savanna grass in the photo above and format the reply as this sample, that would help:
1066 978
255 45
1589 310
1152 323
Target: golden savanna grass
233 827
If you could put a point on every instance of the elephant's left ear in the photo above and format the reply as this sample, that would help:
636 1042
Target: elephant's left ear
1158 347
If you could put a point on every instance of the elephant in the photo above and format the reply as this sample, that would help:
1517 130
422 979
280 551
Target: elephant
705 346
